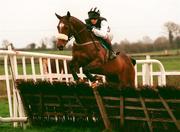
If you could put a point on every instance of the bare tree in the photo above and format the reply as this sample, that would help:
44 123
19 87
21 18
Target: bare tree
173 30
177 41
5 42
161 43
147 40
31 46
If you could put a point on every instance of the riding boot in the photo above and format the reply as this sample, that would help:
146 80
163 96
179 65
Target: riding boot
112 54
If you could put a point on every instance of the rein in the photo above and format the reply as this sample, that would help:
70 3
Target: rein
77 33
86 43
94 43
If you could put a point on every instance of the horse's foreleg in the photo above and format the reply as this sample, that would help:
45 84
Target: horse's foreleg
73 70
89 75
87 69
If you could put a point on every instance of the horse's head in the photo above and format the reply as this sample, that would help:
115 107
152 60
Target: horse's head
69 26
64 30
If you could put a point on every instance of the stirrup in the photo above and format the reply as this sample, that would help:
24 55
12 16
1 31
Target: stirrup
112 55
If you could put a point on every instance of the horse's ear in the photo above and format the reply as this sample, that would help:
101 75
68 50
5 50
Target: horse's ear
58 16
68 14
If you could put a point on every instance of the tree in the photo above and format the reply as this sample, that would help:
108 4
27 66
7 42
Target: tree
5 42
31 46
43 46
173 30
161 43
147 40
177 41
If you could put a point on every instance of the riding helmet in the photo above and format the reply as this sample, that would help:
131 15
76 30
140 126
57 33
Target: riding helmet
94 13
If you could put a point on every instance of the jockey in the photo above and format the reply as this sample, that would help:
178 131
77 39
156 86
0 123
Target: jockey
99 26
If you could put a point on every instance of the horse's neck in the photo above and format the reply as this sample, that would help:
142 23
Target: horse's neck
83 35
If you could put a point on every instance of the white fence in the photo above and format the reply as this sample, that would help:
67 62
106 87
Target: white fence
28 65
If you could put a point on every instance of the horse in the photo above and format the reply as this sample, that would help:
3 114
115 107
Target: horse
88 53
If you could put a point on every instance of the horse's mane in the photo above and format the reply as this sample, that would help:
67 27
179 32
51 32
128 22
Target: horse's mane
82 26
74 19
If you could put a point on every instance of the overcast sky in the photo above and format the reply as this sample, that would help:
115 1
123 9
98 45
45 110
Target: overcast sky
26 21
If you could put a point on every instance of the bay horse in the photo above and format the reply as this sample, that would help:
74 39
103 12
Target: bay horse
88 53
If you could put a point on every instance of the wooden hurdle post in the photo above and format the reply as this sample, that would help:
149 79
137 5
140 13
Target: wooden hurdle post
166 106
149 122
102 109
121 111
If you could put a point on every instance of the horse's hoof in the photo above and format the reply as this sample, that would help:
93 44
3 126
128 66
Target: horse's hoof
80 81
94 84
98 78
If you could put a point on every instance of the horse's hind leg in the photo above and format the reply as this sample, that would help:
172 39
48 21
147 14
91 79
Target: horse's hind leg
127 79
122 81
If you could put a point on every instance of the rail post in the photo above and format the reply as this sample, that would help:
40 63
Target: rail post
18 109
147 77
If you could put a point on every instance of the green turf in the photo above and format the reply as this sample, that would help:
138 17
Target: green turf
170 63
4 108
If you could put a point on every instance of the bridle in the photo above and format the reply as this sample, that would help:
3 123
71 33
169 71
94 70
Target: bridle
77 34
72 32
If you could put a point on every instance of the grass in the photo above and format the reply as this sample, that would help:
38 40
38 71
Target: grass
163 52
58 128
4 108
170 63
4 112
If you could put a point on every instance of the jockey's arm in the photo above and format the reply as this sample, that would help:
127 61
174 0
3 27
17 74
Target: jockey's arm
103 31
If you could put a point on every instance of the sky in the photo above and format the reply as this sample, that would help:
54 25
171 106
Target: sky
25 21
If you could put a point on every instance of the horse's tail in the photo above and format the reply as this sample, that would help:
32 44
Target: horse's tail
133 61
